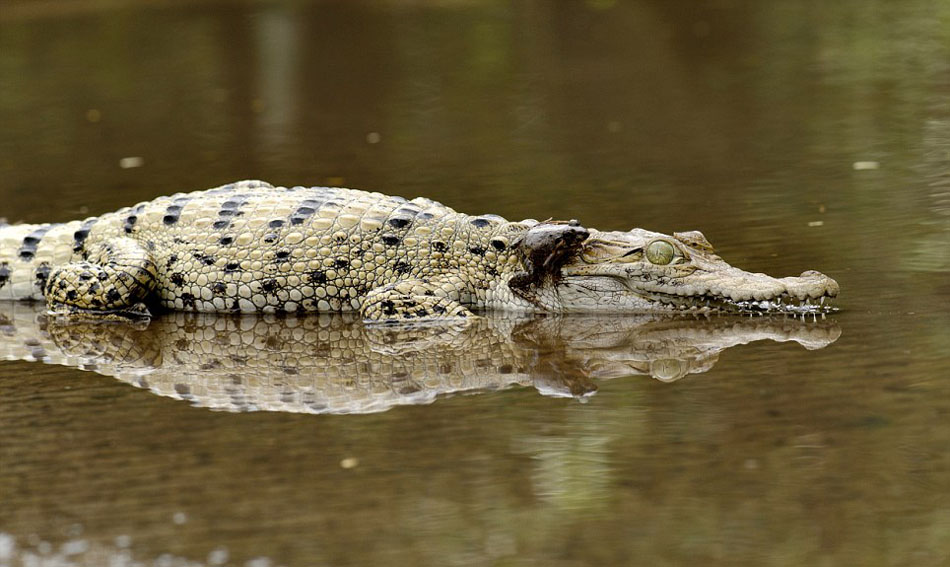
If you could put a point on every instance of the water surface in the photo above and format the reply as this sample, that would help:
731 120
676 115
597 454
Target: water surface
794 136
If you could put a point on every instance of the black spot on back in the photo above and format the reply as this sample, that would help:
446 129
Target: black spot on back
480 223
477 250
31 241
390 240
399 222
276 223
226 240
317 277
498 245
232 267
177 278
402 267
229 209
282 254
130 223
172 212
4 273
439 246
301 214
80 236
409 210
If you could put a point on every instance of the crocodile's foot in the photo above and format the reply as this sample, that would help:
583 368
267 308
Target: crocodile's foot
414 302
112 284
416 310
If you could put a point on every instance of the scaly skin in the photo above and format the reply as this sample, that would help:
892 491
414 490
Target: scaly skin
251 247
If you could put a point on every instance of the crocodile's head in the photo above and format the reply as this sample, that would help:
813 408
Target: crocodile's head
648 271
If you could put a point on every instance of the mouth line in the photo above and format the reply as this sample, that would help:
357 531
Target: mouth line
784 303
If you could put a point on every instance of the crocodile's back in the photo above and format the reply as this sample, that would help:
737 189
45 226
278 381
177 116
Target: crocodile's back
249 246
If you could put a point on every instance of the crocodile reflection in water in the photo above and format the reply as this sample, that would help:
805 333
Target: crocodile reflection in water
336 364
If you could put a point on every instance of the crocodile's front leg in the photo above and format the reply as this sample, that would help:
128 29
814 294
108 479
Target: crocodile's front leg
414 300
114 282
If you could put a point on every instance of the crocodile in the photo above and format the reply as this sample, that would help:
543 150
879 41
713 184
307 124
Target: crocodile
253 247
334 364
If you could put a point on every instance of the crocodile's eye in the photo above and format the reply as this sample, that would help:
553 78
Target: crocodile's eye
660 252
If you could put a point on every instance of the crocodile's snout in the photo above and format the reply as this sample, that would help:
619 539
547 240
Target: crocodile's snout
811 285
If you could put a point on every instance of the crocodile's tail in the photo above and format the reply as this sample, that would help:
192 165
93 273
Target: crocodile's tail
28 252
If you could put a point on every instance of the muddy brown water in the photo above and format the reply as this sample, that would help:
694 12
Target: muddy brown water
795 136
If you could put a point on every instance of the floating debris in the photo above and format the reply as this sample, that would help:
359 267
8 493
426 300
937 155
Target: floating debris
131 162
218 556
865 165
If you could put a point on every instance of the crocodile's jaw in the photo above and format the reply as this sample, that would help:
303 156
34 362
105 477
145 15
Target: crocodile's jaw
612 272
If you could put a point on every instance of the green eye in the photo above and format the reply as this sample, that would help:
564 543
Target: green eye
660 252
